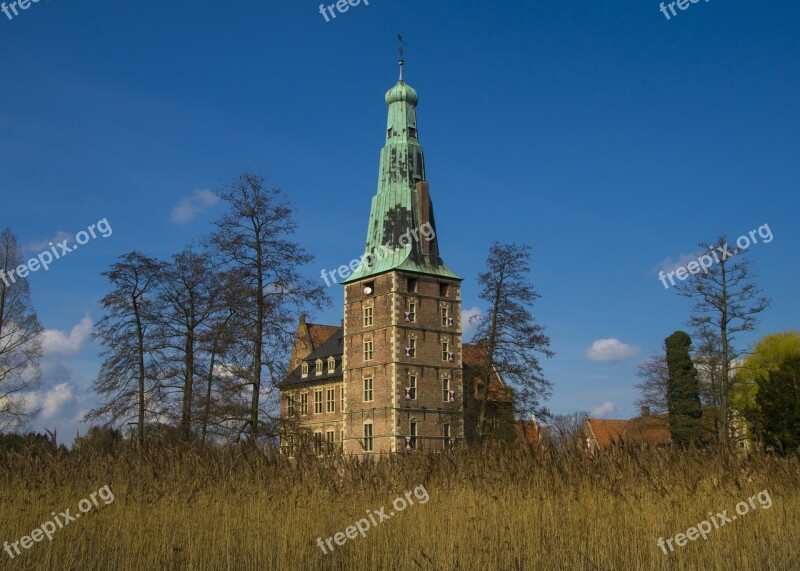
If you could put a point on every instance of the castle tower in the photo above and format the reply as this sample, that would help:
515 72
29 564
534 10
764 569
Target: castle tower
402 354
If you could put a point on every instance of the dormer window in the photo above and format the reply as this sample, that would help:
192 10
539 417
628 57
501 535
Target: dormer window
318 369
305 369
331 365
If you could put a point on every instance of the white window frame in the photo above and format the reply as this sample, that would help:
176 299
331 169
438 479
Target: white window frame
368 316
369 389
330 399
446 389
369 350
318 401
369 439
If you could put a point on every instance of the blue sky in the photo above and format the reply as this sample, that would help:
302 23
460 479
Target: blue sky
609 138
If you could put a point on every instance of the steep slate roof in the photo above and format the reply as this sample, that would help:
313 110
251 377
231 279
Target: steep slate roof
402 204
332 347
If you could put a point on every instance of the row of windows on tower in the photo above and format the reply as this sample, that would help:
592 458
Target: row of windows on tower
328 444
410 351
411 441
411 287
410 315
328 405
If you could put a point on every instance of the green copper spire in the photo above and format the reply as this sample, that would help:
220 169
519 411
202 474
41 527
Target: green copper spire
402 231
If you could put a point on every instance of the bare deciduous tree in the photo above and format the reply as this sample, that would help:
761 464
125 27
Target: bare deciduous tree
653 389
20 338
727 302
127 377
254 239
513 341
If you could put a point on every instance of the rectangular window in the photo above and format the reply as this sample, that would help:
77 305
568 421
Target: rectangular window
367 317
318 443
341 439
411 314
331 365
412 432
445 314
367 350
412 387
318 401
411 350
318 368
304 404
412 285
341 395
445 351
443 289
446 390
329 441
331 400
368 395
445 436
290 406
367 438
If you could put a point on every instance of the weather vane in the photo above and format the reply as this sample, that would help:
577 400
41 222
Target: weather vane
402 51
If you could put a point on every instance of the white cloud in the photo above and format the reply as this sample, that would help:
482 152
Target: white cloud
55 342
50 401
611 350
42 245
466 314
669 265
190 206
602 410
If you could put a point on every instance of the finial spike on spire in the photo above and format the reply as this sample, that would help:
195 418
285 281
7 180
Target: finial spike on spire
402 51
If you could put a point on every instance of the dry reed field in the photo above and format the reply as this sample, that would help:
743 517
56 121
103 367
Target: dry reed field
241 508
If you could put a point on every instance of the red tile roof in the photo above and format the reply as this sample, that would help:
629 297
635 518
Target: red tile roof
474 360
642 430
320 333
528 430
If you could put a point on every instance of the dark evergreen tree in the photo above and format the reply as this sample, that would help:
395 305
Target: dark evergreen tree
683 392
